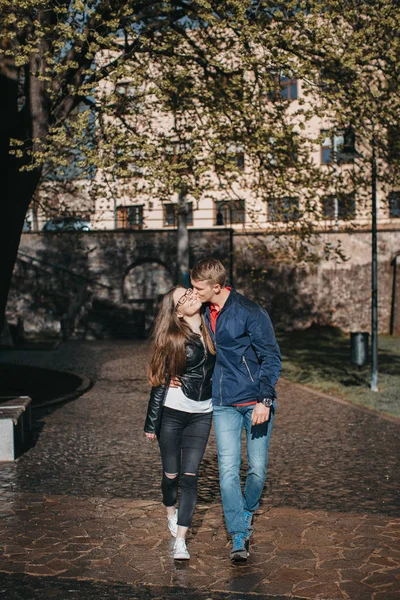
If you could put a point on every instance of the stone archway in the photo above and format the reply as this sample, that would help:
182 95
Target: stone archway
143 285
145 281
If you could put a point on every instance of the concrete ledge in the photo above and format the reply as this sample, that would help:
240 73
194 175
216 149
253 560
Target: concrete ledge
15 425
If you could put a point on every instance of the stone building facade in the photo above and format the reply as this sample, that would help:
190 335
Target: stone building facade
121 203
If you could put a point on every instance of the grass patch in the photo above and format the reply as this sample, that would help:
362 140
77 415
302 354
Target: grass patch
320 357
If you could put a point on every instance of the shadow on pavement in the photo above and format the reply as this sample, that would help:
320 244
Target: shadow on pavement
44 386
21 587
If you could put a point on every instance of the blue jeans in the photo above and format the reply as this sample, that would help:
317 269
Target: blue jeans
229 422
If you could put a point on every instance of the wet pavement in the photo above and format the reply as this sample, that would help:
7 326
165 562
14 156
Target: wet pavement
81 516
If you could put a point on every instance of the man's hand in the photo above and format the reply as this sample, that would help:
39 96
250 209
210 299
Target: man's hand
260 414
175 383
150 436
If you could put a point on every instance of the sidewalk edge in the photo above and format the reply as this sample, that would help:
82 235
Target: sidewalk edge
85 385
365 409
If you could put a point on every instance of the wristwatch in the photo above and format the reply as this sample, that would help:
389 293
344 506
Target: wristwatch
266 401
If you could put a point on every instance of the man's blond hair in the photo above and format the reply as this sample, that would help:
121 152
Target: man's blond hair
209 269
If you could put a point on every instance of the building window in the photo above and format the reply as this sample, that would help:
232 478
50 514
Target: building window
228 160
335 145
393 144
230 212
345 146
238 160
394 205
284 88
283 209
288 88
180 156
130 217
128 161
346 207
171 214
326 148
285 156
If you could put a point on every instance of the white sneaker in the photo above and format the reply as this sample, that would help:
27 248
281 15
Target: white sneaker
173 524
180 550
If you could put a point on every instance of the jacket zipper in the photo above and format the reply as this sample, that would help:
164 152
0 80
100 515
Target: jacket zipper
222 373
220 385
247 367
204 368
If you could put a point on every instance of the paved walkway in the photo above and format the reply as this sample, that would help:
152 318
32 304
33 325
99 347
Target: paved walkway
81 516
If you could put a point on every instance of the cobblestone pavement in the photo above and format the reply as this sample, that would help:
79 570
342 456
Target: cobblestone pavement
84 502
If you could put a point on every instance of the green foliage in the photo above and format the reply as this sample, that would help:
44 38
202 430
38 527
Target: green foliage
175 91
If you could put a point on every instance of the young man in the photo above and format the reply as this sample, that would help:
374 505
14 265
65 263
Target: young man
247 368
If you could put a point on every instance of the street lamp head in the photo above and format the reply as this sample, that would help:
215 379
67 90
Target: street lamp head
220 218
349 145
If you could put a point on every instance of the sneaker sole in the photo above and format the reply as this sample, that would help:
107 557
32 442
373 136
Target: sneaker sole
240 556
181 557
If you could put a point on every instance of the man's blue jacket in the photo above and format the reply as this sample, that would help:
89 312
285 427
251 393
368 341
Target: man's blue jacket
248 361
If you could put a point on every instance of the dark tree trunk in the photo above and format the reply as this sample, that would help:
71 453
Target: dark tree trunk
183 277
16 187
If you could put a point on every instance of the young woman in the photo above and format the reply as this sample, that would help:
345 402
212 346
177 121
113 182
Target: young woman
180 417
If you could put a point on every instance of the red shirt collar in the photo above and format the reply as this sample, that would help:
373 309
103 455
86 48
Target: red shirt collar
215 307
214 312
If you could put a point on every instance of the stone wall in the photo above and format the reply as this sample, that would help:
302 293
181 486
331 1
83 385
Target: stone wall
106 284
327 292
100 284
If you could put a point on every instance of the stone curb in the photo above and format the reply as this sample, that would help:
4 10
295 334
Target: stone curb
365 409
85 385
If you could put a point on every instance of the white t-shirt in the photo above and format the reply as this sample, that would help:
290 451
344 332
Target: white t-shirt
175 398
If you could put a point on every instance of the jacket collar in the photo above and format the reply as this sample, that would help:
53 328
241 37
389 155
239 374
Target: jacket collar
230 299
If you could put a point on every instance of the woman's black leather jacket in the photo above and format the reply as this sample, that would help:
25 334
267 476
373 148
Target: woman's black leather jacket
196 383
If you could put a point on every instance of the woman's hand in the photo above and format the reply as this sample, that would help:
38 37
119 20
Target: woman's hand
150 436
175 383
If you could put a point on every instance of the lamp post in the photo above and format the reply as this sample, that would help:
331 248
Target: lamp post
220 220
335 176
374 275
350 151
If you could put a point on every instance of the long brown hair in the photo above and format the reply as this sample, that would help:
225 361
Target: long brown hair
169 342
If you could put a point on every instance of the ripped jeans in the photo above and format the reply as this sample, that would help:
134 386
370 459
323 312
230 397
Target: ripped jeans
183 439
